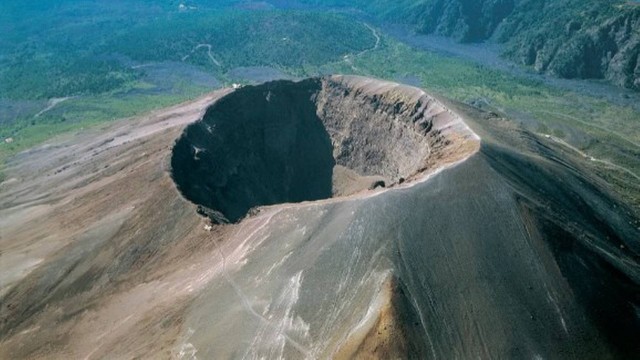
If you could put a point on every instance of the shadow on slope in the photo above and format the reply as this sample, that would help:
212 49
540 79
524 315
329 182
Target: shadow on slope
263 145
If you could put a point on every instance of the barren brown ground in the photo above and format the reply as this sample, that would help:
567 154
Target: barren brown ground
98 212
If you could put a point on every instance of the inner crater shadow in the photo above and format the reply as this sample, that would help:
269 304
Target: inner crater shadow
257 146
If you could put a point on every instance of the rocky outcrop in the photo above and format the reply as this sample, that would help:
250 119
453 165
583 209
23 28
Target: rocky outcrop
464 20
596 43
568 39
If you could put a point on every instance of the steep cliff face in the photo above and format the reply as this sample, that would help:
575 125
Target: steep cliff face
465 20
569 39
597 41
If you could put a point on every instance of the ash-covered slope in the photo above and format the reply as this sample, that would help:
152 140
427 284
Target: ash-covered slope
511 253
503 250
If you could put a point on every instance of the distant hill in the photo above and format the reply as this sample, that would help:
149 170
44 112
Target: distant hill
596 39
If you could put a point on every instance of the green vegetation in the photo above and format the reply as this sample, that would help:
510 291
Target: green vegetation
93 56
43 77
595 39
90 50
284 39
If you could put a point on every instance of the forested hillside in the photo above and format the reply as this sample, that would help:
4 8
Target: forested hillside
596 39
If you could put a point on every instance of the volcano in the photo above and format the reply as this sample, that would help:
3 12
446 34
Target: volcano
334 217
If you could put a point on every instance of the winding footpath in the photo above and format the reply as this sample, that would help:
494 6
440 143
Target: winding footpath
347 58
209 53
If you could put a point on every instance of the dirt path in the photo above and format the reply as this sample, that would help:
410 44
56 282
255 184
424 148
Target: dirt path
585 123
585 155
53 103
209 53
347 58
375 34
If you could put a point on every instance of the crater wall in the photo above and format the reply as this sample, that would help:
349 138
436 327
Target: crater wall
286 141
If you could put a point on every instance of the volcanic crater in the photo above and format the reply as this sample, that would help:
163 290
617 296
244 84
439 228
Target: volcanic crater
335 136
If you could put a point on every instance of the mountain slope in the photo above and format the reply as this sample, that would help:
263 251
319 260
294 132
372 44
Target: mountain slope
512 251
595 39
